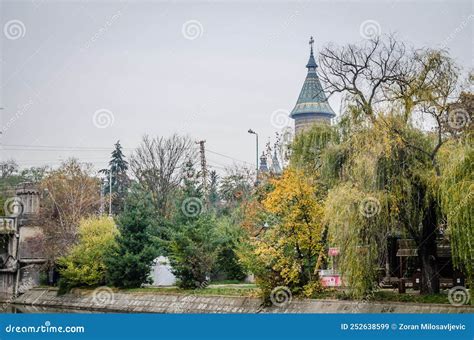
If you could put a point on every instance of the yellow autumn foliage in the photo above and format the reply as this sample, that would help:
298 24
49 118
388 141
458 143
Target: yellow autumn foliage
84 265
287 251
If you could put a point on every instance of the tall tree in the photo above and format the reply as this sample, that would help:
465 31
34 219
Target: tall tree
191 185
236 185
129 262
213 195
156 164
387 87
71 193
286 253
116 179
8 168
194 249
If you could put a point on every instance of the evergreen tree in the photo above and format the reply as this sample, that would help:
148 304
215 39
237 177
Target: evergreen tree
116 176
194 244
194 250
191 185
190 200
129 263
213 196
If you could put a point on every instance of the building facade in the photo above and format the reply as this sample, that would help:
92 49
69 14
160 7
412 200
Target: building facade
21 242
312 106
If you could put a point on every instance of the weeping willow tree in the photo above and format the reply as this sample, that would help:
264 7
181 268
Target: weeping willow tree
381 189
360 238
308 147
457 200
380 165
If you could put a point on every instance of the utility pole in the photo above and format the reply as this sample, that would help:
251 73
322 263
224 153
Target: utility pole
202 152
110 191
102 185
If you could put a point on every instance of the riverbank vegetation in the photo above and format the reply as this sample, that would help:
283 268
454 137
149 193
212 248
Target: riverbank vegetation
397 163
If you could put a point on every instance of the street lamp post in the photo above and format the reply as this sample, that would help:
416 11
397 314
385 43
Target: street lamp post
256 136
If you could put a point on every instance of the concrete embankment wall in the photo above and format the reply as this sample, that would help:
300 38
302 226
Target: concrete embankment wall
174 303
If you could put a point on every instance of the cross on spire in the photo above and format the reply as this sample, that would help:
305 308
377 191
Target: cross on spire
311 42
311 62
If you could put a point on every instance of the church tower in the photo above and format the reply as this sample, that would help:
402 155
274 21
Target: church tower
312 105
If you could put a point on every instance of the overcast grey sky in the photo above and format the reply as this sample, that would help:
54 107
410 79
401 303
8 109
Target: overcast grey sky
87 73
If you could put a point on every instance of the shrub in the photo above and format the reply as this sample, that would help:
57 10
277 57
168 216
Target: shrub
84 265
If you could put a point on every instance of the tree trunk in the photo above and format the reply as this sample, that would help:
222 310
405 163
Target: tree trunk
427 252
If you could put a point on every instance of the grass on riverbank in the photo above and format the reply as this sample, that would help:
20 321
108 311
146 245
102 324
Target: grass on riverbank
248 290
251 290
388 296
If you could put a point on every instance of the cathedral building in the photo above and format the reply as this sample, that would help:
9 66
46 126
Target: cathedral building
311 108
312 105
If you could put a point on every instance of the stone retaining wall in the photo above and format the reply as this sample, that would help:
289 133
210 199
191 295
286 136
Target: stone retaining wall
108 301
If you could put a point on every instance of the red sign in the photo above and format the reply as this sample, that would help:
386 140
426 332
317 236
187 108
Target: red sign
331 281
333 251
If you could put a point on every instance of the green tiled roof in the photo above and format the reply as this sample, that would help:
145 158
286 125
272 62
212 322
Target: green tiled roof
312 100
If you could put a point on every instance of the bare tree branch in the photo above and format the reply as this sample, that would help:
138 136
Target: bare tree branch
156 164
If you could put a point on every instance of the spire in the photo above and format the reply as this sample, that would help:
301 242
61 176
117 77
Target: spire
312 103
276 168
311 62
263 163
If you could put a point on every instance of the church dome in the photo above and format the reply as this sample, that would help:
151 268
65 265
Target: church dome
312 105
